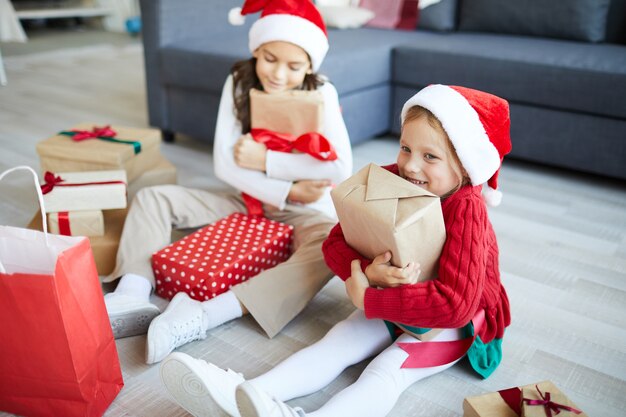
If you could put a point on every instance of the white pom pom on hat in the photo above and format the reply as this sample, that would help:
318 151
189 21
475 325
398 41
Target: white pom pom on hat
478 126
295 21
235 17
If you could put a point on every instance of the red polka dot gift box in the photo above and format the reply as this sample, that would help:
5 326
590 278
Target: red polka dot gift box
223 254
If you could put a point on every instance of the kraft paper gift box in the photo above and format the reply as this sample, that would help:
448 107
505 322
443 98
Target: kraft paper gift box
509 402
295 112
61 153
163 172
77 223
380 211
104 247
94 190
208 262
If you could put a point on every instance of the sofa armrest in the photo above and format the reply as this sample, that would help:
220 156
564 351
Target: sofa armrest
165 22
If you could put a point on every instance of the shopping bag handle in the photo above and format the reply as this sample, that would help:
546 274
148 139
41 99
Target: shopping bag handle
39 196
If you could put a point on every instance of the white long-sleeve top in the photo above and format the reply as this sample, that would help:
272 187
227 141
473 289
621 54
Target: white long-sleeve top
282 169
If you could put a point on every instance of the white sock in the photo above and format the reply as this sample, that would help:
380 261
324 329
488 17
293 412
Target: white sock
223 308
135 286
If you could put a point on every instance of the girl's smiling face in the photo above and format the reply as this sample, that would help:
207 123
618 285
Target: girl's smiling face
424 159
281 66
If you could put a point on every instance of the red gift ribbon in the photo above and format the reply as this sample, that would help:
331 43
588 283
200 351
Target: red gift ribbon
52 180
63 218
311 143
429 354
96 132
103 133
548 405
512 398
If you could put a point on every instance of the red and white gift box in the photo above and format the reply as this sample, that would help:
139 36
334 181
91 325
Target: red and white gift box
208 262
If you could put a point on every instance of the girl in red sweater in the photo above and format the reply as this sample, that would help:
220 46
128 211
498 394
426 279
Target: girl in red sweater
453 140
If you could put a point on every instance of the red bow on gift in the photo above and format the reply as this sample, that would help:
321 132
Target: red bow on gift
549 405
96 132
311 143
52 181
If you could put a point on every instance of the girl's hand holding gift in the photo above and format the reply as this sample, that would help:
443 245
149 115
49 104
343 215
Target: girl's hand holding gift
380 273
356 285
307 191
250 154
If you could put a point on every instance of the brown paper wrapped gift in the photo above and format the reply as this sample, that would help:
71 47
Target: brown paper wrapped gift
557 398
163 172
508 402
295 112
60 153
380 211
104 247
77 223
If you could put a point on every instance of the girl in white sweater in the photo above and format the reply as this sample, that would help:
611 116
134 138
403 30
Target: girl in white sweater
288 44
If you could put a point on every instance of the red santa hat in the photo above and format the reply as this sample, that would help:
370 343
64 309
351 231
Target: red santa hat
294 21
477 124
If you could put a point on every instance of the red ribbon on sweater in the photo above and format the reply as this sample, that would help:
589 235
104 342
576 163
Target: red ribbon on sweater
548 405
429 354
63 218
311 143
52 180
96 132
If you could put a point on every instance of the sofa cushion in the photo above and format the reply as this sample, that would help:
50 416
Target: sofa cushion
437 15
583 20
571 76
351 67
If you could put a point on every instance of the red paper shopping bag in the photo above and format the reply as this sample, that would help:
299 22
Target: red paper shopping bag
58 355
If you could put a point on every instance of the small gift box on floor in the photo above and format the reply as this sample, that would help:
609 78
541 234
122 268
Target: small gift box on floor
104 247
77 223
87 147
534 400
380 211
213 259
74 191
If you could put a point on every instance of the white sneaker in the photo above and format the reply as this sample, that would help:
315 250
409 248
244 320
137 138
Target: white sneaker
253 402
183 321
201 388
129 316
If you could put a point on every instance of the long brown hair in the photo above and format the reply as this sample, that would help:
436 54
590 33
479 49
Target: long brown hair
415 113
245 78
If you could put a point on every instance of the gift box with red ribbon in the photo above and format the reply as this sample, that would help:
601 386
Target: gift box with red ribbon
542 399
208 262
75 191
90 147
77 223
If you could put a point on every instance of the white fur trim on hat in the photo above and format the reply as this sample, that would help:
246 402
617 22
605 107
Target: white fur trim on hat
479 156
292 29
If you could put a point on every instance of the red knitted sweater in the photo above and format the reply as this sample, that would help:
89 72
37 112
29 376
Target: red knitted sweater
469 276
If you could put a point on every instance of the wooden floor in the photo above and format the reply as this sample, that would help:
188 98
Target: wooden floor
562 239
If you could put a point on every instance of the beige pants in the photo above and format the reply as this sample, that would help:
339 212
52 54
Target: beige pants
275 296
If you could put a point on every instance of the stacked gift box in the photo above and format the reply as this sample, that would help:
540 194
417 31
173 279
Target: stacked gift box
534 400
110 164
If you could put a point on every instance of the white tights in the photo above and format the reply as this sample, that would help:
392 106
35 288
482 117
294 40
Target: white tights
348 342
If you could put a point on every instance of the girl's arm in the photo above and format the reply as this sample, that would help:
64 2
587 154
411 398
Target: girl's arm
255 183
339 255
451 300
294 166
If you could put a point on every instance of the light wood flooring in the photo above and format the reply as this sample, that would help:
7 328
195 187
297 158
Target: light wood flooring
562 243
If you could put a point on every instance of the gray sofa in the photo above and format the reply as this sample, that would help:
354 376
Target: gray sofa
563 70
